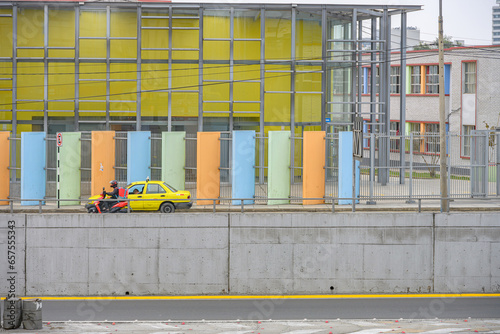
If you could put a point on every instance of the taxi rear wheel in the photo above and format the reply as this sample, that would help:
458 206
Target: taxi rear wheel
167 207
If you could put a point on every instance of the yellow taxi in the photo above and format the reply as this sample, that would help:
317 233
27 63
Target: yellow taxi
157 195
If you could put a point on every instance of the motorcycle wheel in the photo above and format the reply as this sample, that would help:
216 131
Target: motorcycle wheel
92 210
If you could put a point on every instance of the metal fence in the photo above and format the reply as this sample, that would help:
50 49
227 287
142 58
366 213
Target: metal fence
473 166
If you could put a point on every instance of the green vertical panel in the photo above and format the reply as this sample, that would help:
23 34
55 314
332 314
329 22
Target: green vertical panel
173 158
278 169
408 79
69 167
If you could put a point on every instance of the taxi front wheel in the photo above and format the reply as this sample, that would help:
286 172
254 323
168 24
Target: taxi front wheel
167 208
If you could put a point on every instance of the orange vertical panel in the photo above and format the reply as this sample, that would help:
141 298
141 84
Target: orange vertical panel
207 168
313 185
103 160
4 166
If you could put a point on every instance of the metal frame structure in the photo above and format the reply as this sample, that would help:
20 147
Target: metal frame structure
345 52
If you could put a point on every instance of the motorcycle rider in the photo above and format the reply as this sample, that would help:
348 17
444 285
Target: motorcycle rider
117 193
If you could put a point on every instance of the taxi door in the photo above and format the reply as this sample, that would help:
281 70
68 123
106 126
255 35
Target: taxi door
154 191
136 192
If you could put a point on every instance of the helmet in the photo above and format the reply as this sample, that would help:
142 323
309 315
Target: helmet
113 184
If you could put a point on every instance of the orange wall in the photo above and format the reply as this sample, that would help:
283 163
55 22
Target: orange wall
4 166
103 161
207 169
313 185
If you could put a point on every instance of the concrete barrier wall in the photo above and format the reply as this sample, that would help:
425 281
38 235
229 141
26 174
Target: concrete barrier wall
252 253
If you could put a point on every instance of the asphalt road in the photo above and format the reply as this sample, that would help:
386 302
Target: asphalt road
276 309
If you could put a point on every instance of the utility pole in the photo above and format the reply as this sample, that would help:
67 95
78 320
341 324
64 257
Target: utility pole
443 177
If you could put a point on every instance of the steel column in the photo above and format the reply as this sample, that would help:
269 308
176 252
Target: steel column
231 72
138 116
77 68
200 72
373 82
108 64
262 93
324 56
13 146
402 101
292 95
359 50
45 68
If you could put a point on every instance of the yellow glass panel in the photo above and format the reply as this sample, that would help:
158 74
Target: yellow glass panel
308 107
308 40
123 23
246 72
247 50
191 55
62 106
98 106
123 91
216 72
185 39
123 71
248 26
278 38
93 90
6 35
93 23
185 76
61 28
215 92
308 82
185 23
215 50
30 27
54 53
246 91
154 39
122 106
158 23
6 73
277 108
34 53
216 26
30 83
60 114
5 101
154 104
123 49
92 71
91 48
61 85
278 81
92 115
185 104
154 77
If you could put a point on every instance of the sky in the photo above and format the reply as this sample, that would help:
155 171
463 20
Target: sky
468 20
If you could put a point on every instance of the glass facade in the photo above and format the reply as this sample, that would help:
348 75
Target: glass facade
192 67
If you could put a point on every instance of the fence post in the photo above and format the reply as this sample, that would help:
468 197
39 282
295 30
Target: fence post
448 165
410 183
372 168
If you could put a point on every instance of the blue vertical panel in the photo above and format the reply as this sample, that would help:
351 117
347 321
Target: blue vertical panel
32 167
243 170
345 167
138 155
447 77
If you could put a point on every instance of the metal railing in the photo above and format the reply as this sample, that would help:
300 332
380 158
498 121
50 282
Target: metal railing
217 206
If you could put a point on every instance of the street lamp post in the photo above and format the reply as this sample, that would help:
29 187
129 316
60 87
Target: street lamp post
443 178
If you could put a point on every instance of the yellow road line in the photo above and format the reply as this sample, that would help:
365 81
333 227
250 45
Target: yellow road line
446 295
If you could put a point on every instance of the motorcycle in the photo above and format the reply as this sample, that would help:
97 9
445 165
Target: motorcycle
96 205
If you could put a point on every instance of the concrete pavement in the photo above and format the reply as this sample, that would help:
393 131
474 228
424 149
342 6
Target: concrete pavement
333 326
